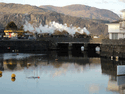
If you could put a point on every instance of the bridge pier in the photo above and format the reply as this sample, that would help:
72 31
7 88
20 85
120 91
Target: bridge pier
70 47
85 46
1 63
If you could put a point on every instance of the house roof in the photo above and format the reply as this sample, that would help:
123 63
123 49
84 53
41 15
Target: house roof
116 21
117 32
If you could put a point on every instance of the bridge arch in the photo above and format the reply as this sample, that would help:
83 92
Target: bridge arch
77 46
93 47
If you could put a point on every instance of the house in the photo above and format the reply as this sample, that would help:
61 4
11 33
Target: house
13 33
116 29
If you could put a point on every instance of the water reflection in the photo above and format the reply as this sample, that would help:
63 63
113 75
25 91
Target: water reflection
121 80
121 84
46 63
13 79
11 64
115 83
94 88
83 74
109 67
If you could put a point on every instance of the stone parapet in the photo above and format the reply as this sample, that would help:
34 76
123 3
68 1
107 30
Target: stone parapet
113 48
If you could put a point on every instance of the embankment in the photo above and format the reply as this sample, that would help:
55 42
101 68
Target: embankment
23 46
113 48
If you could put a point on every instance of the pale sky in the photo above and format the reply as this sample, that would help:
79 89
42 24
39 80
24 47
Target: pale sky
113 5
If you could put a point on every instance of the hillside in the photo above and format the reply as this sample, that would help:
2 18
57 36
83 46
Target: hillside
84 12
19 8
22 13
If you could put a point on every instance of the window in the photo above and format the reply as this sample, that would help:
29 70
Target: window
115 36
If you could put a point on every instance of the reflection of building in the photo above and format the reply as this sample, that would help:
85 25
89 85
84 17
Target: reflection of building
117 85
112 85
121 83
109 67
117 29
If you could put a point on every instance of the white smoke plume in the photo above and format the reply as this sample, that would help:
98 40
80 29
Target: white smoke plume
52 26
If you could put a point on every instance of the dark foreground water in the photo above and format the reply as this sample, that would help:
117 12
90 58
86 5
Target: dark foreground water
72 73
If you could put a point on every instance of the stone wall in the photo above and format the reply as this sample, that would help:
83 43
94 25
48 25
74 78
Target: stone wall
65 39
113 48
23 46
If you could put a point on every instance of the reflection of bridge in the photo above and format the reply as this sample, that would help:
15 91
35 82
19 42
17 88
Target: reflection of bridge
17 64
75 55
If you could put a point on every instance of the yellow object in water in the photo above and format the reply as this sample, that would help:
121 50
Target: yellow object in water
13 79
0 75
0 72
13 75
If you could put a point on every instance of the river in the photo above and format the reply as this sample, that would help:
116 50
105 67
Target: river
59 73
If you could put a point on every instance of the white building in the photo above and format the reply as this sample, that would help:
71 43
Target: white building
116 30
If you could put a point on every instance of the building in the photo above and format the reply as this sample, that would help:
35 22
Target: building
116 29
13 33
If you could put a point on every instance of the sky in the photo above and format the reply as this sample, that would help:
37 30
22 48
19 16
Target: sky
113 5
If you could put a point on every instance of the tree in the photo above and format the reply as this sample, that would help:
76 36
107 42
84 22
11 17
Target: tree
21 28
11 25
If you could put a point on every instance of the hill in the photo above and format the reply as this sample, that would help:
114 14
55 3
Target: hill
19 8
84 11
21 13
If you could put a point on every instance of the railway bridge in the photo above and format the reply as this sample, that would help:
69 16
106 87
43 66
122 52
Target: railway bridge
88 46
70 43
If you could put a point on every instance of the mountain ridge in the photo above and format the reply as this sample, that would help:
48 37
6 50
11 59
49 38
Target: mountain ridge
84 11
19 8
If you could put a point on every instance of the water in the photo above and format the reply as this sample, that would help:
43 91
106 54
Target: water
70 73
